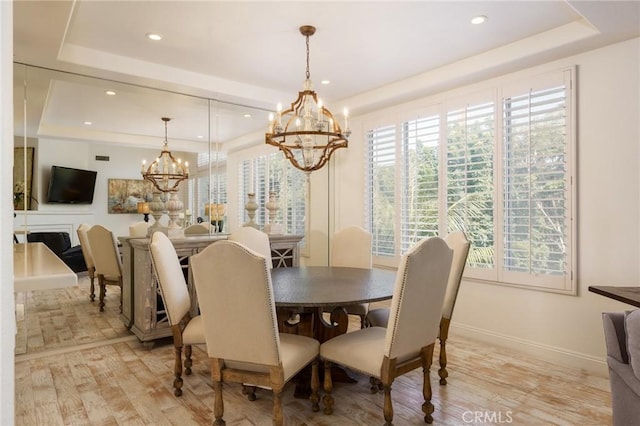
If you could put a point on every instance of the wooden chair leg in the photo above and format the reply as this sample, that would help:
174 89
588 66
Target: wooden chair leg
444 334
427 406
315 384
218 404
177 370
103 292
250 391
327 399
121 285
387 408
278 417
92 288
388 372
376 384
187 360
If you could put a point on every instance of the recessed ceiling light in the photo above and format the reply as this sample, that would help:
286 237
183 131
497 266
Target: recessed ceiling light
109 92
325 82
200 136
88 123
477 20
154 36
247 115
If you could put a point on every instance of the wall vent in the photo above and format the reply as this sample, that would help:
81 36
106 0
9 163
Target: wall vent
102 158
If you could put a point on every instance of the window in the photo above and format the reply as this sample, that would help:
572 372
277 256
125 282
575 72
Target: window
206 186
470 182
497 165
536 186
273 173
420 178
381 189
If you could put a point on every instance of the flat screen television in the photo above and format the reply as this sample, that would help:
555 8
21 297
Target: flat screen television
71 186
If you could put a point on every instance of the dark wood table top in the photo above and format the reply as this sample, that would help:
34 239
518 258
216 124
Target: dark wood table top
630 295
330 286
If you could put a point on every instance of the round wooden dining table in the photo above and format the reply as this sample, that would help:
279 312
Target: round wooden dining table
323 286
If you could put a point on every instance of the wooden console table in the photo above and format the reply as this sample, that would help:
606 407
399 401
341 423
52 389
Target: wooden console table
630 295
142 307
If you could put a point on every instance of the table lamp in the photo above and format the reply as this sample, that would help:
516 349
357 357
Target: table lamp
143 207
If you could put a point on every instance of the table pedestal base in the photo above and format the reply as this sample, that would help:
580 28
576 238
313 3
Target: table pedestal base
310 322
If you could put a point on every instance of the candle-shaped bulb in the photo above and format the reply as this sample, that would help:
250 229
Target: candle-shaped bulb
319 109
346 119
278 114
144 163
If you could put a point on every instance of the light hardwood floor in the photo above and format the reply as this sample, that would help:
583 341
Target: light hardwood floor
98 374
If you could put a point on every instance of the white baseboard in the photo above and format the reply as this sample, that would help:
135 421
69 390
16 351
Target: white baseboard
570 359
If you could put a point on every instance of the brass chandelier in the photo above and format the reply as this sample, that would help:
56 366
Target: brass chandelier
165 173
307 132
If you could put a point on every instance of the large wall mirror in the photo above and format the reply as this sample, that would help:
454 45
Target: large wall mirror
83 122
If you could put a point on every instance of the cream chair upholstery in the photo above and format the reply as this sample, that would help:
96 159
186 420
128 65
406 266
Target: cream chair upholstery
458 242
186 330
237 306
408 341
139 229
106 259
351 247
255 240
197 229
88 258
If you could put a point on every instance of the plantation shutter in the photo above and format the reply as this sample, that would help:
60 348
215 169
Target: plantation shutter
244 183
419 177
536 224
380 189
470 182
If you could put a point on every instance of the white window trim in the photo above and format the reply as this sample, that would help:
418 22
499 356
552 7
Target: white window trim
394 116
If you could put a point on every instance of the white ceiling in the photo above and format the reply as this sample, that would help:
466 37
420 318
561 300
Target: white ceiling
251 54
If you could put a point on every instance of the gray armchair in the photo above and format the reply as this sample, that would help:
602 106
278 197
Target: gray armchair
625 385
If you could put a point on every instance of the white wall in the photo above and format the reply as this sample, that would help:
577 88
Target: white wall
562 328
124 163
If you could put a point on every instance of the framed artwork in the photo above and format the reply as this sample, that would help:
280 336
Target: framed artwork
125 194
21 187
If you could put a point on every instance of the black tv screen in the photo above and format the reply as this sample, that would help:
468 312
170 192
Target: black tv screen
71 186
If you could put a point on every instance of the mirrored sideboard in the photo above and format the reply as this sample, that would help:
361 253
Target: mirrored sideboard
142 307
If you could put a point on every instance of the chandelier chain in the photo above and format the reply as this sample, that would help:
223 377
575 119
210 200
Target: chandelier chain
308 74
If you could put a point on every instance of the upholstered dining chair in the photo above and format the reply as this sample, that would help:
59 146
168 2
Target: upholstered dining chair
88 257
255 240
237 306
458 242
197 229
186 330
139 229
408 341
351 247
106 258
